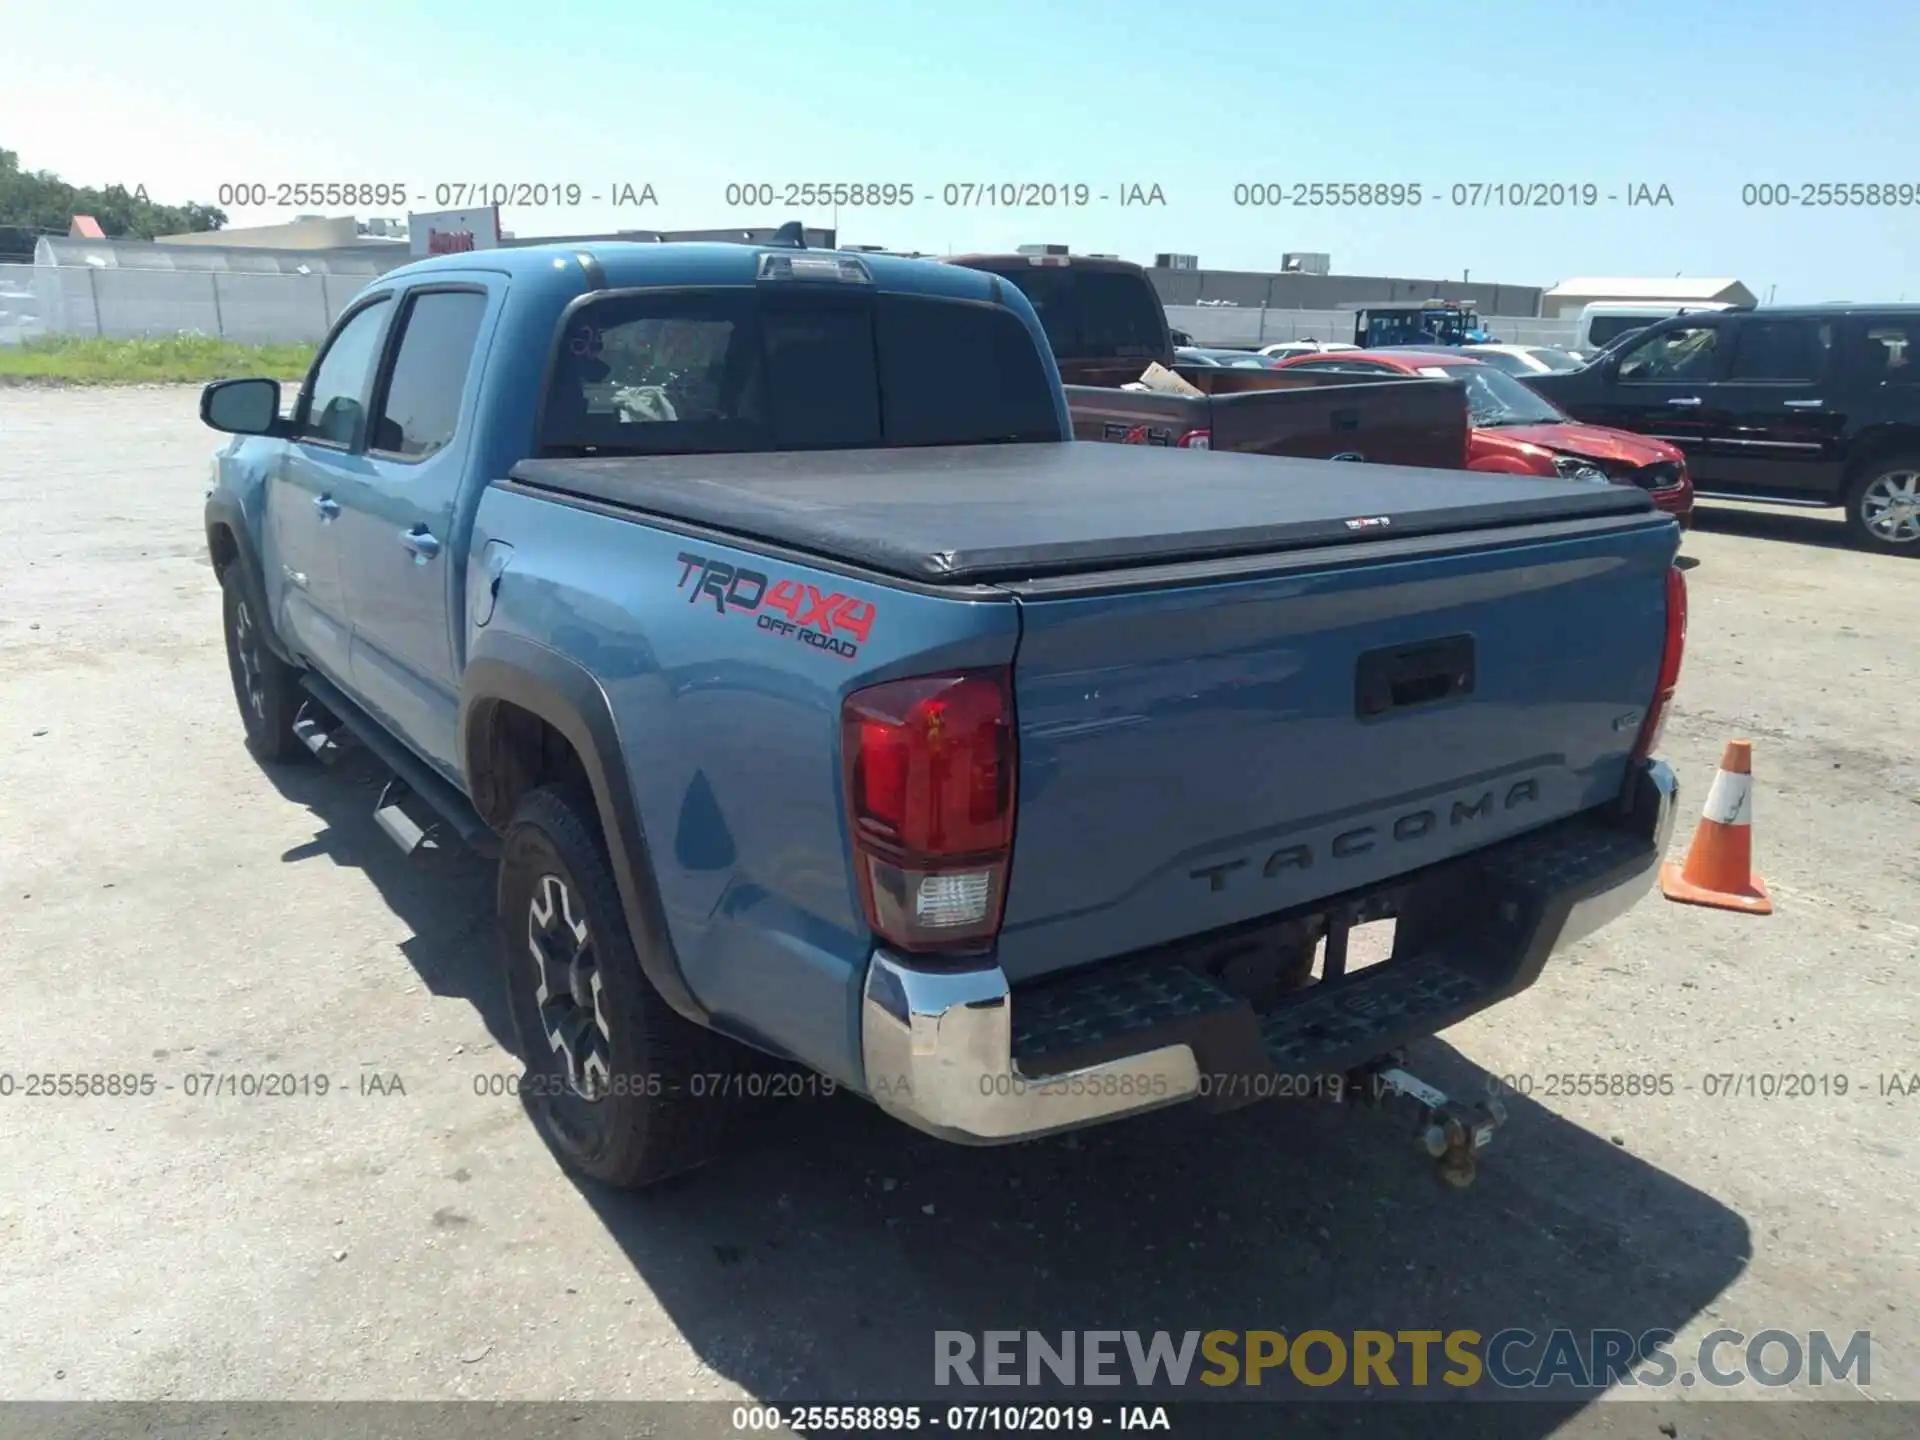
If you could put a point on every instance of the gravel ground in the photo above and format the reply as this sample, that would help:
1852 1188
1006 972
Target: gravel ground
169 908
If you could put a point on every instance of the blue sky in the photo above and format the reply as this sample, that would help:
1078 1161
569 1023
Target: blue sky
1193 98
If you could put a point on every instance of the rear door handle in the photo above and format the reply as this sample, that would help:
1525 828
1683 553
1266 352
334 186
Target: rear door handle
422 544
327 506
1685 400
1804 404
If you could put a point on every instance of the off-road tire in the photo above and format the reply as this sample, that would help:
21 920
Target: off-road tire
1893 471
665 1108
265 687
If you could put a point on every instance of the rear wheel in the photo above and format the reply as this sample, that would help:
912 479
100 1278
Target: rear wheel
625 1090
1883 506
265 687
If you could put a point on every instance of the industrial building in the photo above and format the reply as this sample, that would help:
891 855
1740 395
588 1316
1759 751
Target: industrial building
1302 290
304 232
1570 297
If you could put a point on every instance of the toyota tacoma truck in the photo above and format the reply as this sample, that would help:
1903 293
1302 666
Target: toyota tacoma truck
828 709
1106 326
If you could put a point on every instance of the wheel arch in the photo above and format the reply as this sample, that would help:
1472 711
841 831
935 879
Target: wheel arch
1878 446
517 700
229 545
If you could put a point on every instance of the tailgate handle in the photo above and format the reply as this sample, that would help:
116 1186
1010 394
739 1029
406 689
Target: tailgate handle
1402 676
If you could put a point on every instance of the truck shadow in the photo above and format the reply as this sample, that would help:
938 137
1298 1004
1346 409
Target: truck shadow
819 1256
818 1260
445 896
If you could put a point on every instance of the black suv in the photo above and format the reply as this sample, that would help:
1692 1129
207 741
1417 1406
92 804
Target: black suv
1816 405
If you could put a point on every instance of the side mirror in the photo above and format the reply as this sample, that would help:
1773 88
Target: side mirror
242 407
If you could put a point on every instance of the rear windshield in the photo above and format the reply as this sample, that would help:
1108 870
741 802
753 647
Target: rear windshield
679 372
1093 314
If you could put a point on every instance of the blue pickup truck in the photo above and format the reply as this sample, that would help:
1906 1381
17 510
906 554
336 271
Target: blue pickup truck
830 710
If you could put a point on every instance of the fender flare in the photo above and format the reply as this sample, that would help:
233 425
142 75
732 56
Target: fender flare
225 513
560 691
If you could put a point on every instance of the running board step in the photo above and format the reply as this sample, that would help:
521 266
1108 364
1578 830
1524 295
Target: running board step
400 827
413 780
316 729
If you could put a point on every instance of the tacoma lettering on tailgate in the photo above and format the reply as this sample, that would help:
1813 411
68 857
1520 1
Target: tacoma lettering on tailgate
1414 825
832 621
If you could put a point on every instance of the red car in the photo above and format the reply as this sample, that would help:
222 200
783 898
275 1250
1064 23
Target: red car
1517 431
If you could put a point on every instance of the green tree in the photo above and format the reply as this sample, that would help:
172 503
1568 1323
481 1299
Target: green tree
37 202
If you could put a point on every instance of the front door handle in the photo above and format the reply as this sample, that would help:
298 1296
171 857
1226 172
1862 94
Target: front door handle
422 544
327 506
1803 404
1685 400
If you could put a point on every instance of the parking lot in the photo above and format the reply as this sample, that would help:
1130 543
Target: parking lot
172 909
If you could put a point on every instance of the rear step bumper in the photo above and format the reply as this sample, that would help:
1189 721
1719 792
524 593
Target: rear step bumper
959 1054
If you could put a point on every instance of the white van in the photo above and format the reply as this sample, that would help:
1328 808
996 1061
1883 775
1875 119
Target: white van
1602 324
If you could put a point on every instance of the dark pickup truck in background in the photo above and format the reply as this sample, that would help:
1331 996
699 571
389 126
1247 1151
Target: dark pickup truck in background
1106 325
1815 406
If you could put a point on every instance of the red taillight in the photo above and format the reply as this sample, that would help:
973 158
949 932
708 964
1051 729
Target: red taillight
1656 720
930 778
1195 440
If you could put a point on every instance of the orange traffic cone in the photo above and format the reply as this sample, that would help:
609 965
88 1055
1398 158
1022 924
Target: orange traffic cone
1719 868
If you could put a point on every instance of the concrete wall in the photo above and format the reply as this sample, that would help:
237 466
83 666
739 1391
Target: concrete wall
122 304
119 300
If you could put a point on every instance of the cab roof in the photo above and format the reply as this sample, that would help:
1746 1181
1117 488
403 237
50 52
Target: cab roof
624 263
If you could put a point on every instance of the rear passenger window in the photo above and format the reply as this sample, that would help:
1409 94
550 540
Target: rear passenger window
1781 350
1887 352
429 374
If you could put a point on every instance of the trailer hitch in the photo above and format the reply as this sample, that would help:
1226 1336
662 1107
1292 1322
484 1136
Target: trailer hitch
1451 1133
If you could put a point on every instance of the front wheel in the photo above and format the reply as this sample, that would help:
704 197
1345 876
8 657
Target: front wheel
624 1089
265 687
1883 506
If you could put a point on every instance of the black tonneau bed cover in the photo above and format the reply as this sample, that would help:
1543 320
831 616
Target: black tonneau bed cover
978 513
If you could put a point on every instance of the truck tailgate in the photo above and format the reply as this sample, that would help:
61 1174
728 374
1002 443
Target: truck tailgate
1388 422
1226 745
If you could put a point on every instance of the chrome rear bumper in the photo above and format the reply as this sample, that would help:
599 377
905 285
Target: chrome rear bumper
1658 800
938 1046
937 1041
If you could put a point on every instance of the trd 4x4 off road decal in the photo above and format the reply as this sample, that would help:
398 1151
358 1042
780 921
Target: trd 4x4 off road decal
832 621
